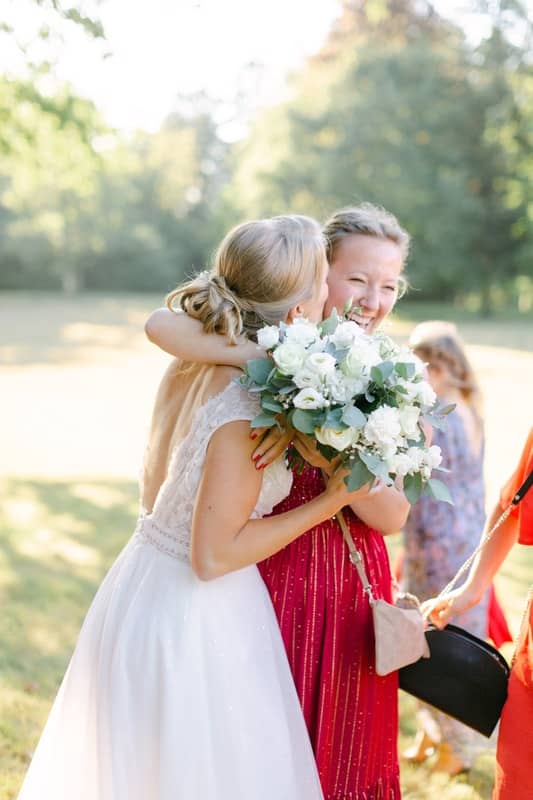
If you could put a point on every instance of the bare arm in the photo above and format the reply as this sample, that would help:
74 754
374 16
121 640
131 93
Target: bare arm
184 337
481 573
224 538
384 508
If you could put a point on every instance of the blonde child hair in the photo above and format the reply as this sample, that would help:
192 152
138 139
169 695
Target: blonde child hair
439 344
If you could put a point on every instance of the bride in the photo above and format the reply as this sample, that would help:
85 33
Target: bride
179 687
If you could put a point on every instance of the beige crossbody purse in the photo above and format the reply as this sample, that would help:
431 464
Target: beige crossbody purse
398 629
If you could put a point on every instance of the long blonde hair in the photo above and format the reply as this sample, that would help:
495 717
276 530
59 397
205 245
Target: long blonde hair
438 342
262 269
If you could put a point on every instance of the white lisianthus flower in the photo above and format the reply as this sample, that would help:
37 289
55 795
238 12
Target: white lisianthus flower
268 336
416 457
383 429
409 416
308 399
362 355
345 334
401 464
321 363
289 357
306 377
339 440
301 331
420 392
433 456
388 349
406 356
425 394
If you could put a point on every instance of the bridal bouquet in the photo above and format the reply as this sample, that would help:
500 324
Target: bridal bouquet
361 397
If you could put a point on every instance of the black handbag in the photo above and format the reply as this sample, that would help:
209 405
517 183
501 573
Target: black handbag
464 676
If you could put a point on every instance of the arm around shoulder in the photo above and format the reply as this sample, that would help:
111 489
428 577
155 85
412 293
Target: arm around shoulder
184 337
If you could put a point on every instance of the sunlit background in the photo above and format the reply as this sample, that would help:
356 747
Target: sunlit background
132 136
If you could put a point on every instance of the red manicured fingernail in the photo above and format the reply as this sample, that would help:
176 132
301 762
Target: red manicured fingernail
255 457
253 435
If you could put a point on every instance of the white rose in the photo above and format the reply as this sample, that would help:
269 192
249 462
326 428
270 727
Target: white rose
301 331
308 398
321 363
345 334
340 440
383 430
306 377
362 355
409 416
342 388
289 357
268 336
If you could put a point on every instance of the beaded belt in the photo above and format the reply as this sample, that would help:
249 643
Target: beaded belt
173 543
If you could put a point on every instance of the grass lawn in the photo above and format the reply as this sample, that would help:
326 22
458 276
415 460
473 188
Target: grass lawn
77 390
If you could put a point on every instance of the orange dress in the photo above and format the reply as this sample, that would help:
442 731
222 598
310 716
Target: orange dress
514 758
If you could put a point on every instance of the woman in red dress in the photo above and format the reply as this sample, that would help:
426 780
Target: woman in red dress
514 757
324 615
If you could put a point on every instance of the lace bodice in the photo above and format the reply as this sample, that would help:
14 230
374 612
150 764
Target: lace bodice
168 526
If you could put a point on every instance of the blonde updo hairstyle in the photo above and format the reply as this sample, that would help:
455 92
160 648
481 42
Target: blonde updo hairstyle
262 269
366 219
438 343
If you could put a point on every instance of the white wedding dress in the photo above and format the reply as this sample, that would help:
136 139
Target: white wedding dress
179 689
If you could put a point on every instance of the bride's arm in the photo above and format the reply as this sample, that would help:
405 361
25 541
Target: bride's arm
184 337
224 538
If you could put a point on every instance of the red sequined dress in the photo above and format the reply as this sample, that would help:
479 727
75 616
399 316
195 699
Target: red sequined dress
326 624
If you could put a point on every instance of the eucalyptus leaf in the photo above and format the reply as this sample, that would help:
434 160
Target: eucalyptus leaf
259 369
438 491
303 421
401 370
412 487
446 409
377 377
353 416
268 403
334 419
263 421
359 476
435 421
330 324
376 466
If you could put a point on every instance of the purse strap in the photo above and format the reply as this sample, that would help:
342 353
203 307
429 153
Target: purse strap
519 495
355 555
357 559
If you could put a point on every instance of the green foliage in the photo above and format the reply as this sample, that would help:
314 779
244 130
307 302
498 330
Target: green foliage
400 109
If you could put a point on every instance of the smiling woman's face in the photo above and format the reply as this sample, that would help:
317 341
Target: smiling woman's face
366 270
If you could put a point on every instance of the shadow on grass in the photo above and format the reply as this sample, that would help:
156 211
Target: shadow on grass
57 540
56 329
